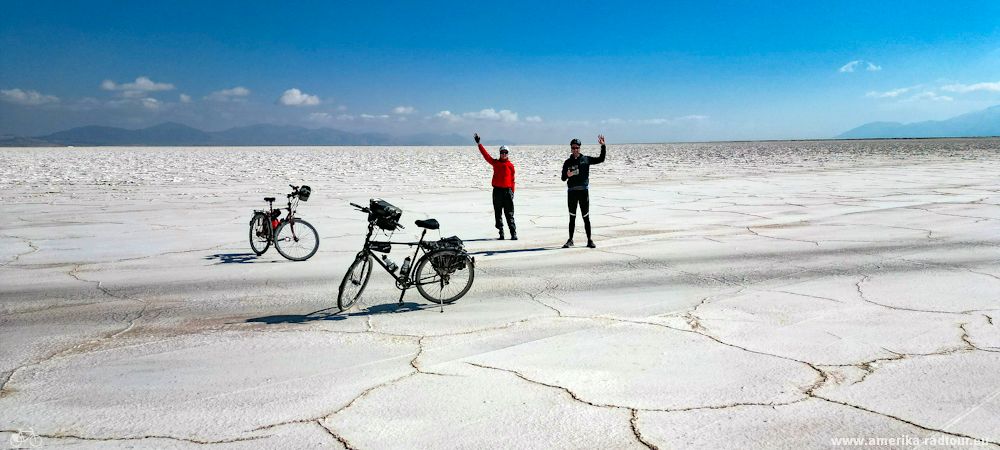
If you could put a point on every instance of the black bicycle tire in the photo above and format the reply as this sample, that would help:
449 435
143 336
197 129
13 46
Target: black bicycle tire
267 223
368 276
471 267
277 233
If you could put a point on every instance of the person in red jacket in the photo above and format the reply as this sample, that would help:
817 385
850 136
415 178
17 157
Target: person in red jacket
503 188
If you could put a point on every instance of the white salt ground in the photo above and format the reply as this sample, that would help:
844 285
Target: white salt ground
779 295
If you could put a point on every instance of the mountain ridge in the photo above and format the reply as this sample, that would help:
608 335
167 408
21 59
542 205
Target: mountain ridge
177 134
982 123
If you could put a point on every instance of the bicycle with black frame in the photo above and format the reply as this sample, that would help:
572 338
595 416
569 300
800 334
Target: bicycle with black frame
293 238
443 274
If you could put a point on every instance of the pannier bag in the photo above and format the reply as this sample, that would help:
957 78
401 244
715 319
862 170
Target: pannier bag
304 192
452 242
448 262
384 214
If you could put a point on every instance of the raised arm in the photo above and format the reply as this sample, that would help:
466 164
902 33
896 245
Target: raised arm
486 155
604 151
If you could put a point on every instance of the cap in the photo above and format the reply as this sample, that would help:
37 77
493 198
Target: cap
504 149
575 142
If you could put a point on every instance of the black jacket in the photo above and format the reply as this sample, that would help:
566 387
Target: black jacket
581 180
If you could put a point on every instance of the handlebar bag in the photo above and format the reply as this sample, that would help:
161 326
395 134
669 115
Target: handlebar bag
385 215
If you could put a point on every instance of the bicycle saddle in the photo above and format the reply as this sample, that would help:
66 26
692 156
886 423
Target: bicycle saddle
268 199
430 224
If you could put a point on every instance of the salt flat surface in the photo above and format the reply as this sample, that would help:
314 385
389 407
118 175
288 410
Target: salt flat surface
779 295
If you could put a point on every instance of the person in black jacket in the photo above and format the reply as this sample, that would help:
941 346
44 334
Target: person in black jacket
576 174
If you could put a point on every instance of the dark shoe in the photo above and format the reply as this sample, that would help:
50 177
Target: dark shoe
591 244
568 244
513 236
501 235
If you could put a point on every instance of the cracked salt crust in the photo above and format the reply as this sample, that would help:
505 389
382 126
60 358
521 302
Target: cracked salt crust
749 294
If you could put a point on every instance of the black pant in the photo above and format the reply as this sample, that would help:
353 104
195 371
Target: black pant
579 197
503 202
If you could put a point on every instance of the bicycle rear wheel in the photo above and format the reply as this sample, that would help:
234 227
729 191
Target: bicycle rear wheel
354 282
260 234
296 240
444 276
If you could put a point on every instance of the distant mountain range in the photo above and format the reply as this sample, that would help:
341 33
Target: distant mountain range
977 123
175 134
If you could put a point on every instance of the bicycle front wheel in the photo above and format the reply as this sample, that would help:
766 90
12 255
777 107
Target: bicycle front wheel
354 282
260 234
296 240
444 276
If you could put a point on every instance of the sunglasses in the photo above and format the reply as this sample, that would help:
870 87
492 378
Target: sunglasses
575 147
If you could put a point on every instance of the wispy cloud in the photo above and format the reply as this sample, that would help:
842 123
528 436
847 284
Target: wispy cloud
854 65
932 96
184 98
374 116
504 115
238 93
320 117
657 121
965 88
295 97
28 98
138 88
403 110
889 94
533 119
447 115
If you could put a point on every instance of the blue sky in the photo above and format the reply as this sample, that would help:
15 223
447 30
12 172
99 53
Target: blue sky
524 71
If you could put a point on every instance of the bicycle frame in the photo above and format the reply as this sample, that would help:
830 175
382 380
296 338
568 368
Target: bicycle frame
403 281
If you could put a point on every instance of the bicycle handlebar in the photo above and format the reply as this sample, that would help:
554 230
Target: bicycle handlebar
366 211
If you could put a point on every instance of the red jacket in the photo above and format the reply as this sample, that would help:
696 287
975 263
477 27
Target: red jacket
503 171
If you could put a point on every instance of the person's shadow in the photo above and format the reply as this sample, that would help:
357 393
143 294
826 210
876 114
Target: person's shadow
331 313
233 258
515 250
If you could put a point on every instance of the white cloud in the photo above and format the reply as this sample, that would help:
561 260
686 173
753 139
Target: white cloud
320 117
29 98
964 88
185 98
373 116
237 93
447 115
151 104
403 110
853 65
504 115
849 67
656 121
932 96
533 119
345 117
889 94
295 97
141 84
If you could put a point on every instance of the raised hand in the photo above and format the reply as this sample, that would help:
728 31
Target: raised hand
476 137
600 139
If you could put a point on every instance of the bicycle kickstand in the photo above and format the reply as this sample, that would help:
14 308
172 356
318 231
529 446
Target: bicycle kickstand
401 294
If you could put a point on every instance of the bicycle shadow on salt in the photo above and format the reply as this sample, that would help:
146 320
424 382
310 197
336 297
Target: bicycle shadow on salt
325 314
234 258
